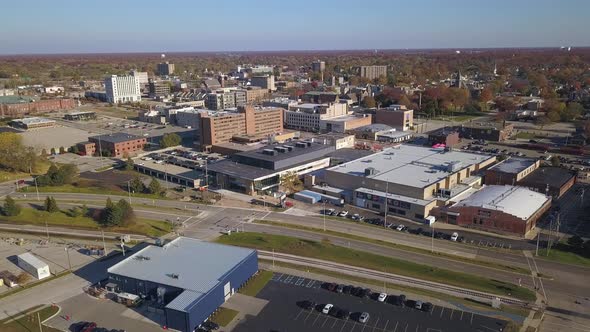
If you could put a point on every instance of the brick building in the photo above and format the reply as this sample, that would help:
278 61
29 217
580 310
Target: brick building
17 106
496 132
396 116
554 181
86 148
511 171
221 127
501 209
118 144
446 136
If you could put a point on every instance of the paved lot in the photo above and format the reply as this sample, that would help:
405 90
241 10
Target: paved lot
283 314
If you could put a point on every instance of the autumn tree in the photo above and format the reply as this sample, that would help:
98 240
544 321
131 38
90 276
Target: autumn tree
169 140
154 187
368 102
14 155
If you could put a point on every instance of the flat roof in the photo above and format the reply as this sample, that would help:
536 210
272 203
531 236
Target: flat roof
33 120
343 118
32 260
373 128
514 200
235 169
296 151
513 165
168 168
407 199
395 134
190 264
411 165
552 176
81 113
116 137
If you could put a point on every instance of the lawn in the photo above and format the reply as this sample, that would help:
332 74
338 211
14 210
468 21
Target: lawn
68 188
30 322
31 216
509 268
41 168
565 257
256 284
224 316
330 252
117 112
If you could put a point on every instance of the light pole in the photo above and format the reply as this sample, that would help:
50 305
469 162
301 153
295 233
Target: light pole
386 206
129 190
47 230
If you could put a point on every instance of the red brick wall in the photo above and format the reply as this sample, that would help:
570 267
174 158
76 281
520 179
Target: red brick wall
18 110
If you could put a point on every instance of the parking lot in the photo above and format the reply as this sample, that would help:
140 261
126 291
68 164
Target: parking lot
285 313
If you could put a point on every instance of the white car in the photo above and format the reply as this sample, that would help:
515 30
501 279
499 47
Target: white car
418 305
455 236
400 227
382 297
327 308
364 317
343 214
355 216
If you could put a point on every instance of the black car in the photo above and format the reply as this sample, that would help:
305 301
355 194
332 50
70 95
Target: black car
419 231
334 311
343 314
356 291
308 305
339 289
427 306
210 326
368 292
401 300
347 289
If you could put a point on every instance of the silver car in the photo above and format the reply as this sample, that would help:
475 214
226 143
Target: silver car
364 317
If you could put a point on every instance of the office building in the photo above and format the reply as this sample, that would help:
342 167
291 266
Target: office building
318 66
320 97
415 179
165 69
188 278
264 81
255 94
501 209
223 99
32 123
259 171
140 76
551 181
18 106
158 89
255 123
396 116
372 72
447 136
344 123
118 144
122 89
510 171
307 116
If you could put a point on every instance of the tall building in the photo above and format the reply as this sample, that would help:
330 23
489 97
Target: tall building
165 68
373 72
308 116
158 89
141 76
122 89
221 127
396 116
264 81
221 99
318 66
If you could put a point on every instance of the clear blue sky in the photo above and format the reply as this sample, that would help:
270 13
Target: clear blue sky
83 26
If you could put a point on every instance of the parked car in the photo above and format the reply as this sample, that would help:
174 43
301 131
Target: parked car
339 289
364 317
400 300
418 305
355 216
87 327
327 308
329 212
343 314
332 286
308 305
210 326
343 213
427 306
382 297
347 289
400 227
455 236
356 291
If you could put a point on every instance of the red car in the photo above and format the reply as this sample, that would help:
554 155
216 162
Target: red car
87 327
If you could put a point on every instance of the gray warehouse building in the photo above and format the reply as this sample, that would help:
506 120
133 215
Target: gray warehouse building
187 279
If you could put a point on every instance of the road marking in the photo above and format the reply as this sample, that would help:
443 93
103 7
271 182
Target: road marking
441 311
489 329
353 326
306 317
462 312
471 319
343 325
364 325
377 322
318 316
335 321
452 311
406 330
299 281
417 326
395 326
310 283
300 312
386 323
325 320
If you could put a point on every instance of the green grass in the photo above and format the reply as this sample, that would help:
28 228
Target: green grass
389 287
29 216
330 252
68 188
104 168
256 284
224 316
29 322
565 257
509 268
41 168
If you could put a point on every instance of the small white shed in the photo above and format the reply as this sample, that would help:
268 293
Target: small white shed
33 265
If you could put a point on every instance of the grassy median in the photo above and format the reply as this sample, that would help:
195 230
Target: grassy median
327 251
29 322
256 284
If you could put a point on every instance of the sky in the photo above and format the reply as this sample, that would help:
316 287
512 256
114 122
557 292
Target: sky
113 26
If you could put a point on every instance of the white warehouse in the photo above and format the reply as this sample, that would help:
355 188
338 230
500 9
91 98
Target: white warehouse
33 265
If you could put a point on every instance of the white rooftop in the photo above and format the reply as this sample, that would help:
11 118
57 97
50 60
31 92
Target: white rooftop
34 120
32 260
411 165
517 201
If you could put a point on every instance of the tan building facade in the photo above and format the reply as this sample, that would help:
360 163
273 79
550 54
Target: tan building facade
398 117
373 72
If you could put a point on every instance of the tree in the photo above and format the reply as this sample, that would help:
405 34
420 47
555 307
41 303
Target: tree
542 121
136 185
154 187
404 100
51 205
62 150
23 278
10 207
571 112
368 102
53 151
486 95
553 116
129 164
127 214
14 155
57 176
169 140
555 161
290 181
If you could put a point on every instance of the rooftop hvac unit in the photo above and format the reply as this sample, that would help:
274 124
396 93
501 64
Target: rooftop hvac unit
454 166
369 171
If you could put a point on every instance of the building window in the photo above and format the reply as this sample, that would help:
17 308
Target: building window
376 206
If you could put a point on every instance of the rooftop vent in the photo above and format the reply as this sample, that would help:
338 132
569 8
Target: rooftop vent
369 171
173 275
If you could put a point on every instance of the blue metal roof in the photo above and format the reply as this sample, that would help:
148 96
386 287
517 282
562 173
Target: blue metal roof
185 263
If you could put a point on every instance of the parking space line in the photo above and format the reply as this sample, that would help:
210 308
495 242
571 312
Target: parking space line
306 317
353 326
364 325
462 312
300 312
395 329
451 317
343 325
325 320
407 324
315 320
471 318
377 322
386 323
417 327
442 309
310 283
299 281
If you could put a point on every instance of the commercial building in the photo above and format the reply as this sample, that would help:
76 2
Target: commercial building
173 173
510 171
282 102
33 265
307 116
122 89
264 81
446 136
320 97
189 117
318 66
140 76
342 124
158 89
186 278
86 148
396 116
221 127
98 95
165 69
255 94
372 72
552 181
32 123
496 132
394 136
371 131
80 116
420 177
17 106
118 144
502 209
259 171
221 99
340 141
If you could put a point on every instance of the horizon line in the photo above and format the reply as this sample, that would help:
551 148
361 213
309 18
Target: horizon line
306 50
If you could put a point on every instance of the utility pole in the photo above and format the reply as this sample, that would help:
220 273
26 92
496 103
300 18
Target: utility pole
104 244
324 201
432 240
538 238
273 258
129 190
386 206
47 230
